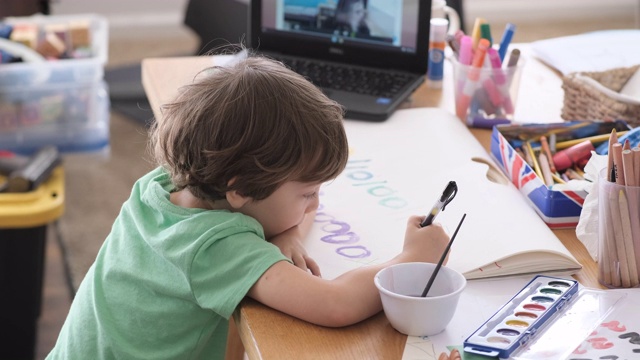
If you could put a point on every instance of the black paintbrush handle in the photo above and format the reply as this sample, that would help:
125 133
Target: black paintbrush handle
444 256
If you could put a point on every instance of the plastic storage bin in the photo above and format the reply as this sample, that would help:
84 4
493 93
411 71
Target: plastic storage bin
24 218
59 102
72 117
84 70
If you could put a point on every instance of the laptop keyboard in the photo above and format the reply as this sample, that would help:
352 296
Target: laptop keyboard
348 78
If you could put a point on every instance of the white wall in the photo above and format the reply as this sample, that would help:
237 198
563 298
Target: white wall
128 13
521 11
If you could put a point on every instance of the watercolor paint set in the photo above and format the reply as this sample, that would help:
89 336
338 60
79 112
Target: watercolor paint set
548 319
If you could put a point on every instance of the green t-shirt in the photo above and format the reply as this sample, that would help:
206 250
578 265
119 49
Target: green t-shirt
165 281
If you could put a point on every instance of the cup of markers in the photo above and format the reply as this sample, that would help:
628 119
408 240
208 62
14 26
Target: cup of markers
486 81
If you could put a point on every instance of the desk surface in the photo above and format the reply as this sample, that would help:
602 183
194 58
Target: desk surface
270 334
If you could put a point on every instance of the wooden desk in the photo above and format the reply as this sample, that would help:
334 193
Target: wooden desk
270 334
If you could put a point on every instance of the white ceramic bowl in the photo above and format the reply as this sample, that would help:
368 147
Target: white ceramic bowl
401 287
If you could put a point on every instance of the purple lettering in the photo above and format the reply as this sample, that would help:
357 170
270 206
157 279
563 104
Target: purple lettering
354 251
347 238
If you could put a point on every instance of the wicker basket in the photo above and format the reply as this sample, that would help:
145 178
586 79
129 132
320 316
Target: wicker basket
583 101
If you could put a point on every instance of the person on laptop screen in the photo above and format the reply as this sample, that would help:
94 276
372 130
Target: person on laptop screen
350 19
341 19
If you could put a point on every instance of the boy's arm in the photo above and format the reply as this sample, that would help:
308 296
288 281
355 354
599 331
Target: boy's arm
350 298
290 244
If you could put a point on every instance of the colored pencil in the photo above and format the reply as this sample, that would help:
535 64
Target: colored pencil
613 138
547 151
618 240
536 167
594 139
627 239
546 170
618 169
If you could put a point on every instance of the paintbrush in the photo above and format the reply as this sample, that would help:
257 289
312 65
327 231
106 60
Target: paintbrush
444 256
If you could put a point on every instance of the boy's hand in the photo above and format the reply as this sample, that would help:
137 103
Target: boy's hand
289 244
424 244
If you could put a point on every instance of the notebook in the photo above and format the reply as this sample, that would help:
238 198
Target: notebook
368 55
399 168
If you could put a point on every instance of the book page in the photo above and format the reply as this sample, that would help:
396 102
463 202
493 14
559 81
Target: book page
399 168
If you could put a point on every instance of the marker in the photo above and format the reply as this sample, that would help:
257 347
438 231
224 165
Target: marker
482 100
486 123
485 33
513 58
454 44
506 40
475 34
500 80
447 195
458 36
465 57
466 50
462 103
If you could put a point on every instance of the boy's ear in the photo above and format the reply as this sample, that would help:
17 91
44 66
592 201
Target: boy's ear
236 200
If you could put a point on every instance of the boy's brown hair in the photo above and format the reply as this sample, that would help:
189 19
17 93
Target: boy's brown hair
255 122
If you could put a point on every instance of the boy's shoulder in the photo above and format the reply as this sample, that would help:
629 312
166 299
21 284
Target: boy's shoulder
154 188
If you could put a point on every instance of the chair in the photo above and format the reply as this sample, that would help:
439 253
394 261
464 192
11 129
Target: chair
218 22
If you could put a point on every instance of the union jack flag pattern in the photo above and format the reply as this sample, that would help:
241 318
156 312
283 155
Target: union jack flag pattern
558 208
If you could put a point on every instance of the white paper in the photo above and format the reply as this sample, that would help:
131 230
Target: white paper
593 51
399 168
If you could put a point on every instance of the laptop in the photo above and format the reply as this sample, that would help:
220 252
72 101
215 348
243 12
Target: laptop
367 55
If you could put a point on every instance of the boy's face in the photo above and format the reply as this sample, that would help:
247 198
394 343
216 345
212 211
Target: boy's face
285 208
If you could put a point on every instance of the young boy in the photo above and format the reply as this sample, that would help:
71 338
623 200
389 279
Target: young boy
242 155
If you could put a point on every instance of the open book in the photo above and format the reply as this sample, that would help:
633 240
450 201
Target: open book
399 168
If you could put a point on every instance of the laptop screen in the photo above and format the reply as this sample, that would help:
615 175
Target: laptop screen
382 33
380 24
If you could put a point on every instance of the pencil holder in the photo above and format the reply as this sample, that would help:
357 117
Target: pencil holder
618 234
590 96
486 96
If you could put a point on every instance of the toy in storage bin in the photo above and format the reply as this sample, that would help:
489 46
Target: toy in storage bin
24 218
62 102
559 208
